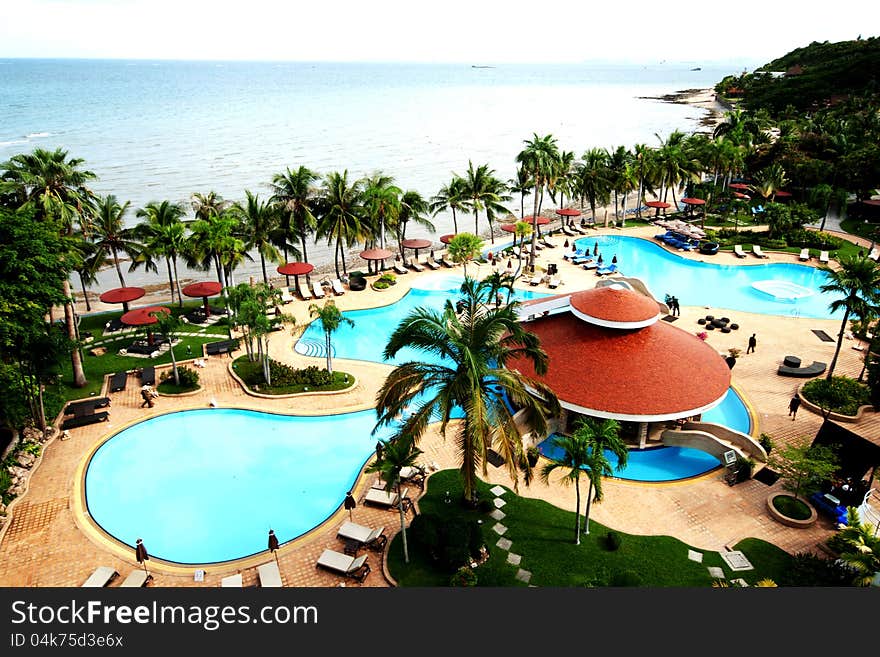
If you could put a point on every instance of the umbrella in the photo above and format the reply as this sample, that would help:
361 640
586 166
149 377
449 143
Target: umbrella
446 239
566 244
144 317
140 553
415 245
596 248
349 503
296 269
122 295
657 205
273 544
204 290
741 186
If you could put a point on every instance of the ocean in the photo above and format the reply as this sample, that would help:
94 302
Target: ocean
162 130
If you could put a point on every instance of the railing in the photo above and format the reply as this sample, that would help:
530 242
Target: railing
869 511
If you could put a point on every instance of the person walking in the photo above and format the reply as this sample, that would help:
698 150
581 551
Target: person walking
147 395
793 406
676 309
753 341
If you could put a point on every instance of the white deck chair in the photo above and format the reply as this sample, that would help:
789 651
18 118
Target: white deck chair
738 251
317 290
381 497
536 279
874 255
337 562
758 252
338 290
286 296
269 575
400 269
823 257
305 292
414 265
232 581
805 254
430 263
371 538
136 579
102 576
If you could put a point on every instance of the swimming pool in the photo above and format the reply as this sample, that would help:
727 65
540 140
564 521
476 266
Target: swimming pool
698 283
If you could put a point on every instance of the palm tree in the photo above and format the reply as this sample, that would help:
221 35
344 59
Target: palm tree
468 353
57 187
294 192
339 214
168 325
331 318
163 234
539 157
575 455
397 453
601 436
463 248
88 264
108 232
205 205
521 185
450 197
413 208
862 548
212 241
855 284
483 191
381 201
593 178
259 219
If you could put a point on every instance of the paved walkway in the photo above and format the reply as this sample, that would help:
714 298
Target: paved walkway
49 543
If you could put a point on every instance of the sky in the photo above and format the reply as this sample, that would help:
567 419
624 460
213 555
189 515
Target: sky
469 31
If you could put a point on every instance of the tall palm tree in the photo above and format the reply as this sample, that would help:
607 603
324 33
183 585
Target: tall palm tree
521 185
593 178
57 187
574 458
162 233
108 232
413 208
601 436
294 191
397 453
88 264
467 354
339 212
539 157
169 325
331 319
212 242
861 548
210 203
483 191
463 248
381 201
450 197
259 219
855 285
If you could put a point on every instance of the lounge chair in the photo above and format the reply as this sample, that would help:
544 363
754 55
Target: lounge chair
356 568
568 231
286 296
317 290
382 497
805 254
738 251
269 575
606 271
590 264
336 284
536 279
758 252
554 282
305 292
136 579
232 581
399 268
430 263
374 539
102 576
446 262
86 406
547 243
148 376
118 381
414 265
874 255
823 257
83 420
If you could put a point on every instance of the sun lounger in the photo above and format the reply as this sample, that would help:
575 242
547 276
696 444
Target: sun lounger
590 264
232 581
336 284
317 290
355 567
874 255
554 282
536 279
400 269
547 243
86 406
446 262
102 576
83 420
606 271
305 292
373 539
118 381
148 376
269 575
738 251
823 257
381 497
568 231
136 579
805 255
286 296
758 252
414 265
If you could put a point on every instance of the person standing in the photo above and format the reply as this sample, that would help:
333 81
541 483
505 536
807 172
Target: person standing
793 406
753 341
676 309
147 395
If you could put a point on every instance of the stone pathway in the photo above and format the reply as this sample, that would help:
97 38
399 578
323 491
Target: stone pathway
504 543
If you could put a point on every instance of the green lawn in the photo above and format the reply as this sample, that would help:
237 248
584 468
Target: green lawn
543 535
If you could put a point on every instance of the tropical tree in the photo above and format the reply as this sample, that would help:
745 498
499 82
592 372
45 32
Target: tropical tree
574 457
483 191
861 548
108 232
466 370
87 265
210 203
521 185
169 325
295 193
463 248
539 157
331 319
854 285
450 197
602 436
803 466
162 234
413 208
214 241
57 187
248 304
381 203
340 213
397 453
593 178
259 220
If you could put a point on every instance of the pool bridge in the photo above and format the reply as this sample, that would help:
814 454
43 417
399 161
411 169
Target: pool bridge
715 439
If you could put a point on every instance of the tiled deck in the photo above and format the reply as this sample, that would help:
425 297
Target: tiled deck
47 544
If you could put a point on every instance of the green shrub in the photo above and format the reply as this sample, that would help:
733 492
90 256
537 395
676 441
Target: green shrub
626 578
189 378
612 541
5 483
381 284
807 569
766 442
285 375
813 239
389 278
840 394
464 576
452 542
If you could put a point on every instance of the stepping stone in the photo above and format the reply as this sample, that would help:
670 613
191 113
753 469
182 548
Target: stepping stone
498 514
497 490
716 572
498 502
504 543
499 529
514 558
736 560
695 556
739 581
523 575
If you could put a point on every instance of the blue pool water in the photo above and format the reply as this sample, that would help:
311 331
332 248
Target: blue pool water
719 286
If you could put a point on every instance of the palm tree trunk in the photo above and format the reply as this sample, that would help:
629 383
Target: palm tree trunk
839 344
118 268
302 239
177 283
170 278
402 523
263 266
577 511
534 226
328 346
476 223
491 230
79 375
454 221
589 503
85 293
41 410
173 361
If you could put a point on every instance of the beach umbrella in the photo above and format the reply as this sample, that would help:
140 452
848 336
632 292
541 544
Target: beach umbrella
566 244
122 295
144 317
596 248
273 544
296 269
204 290
140 553
349 503
415 245
657 205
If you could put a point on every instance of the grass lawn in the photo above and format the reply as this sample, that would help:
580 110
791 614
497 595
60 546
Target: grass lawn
544 536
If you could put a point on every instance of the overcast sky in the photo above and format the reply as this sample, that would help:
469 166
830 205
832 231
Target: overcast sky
471 31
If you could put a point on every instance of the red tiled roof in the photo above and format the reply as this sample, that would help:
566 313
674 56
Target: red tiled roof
656 372
610 304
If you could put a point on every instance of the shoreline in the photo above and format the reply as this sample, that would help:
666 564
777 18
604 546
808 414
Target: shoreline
705 99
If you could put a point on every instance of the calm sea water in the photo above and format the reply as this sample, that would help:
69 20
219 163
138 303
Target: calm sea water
156 130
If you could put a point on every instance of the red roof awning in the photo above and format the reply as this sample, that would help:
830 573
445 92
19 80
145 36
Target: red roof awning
143 316
693 201
568 212
122 294
296 268
203 289
376 254
415 244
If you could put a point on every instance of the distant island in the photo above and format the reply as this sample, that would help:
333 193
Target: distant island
476 66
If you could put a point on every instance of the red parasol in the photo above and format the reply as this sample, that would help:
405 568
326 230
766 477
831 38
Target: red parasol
508 228
740 186
122 295
144 317
740 195
657 205
296 269
447 238
782 194
568 212
693 201
376 254
415 244
542 221
204 290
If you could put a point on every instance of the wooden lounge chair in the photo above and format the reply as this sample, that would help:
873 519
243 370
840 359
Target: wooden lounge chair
554 282
136 579
286 296
547 243
446 262
317 290
83 420
374 539
269 575
102 576
336 284
430 263
414 265
805 255
388 499
400 269
823 257
738 251
86 406
232 581
536 279
305 292
758 252
356 568
148 376
118 381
